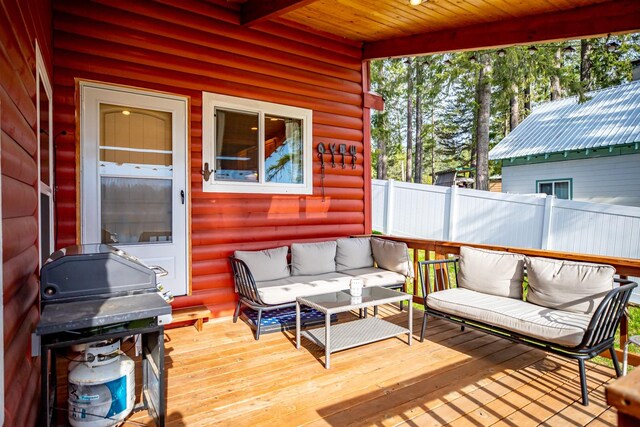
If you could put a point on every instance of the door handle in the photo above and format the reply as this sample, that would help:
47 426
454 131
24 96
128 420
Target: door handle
182 196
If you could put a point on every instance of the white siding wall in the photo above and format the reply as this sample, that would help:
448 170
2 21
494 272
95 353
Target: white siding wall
613 180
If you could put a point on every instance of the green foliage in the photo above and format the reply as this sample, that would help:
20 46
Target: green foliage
445 85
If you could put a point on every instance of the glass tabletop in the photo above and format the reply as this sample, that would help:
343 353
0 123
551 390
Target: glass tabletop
343 299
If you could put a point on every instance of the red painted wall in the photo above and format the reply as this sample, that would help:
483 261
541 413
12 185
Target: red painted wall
188 47
21 23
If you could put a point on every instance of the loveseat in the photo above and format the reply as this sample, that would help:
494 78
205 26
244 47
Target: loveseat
265 280
568 308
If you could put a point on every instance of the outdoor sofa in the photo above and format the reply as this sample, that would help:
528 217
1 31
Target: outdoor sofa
568 308
264 280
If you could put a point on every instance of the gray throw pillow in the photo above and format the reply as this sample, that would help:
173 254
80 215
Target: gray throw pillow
491 272
392 256
269 264
573 286
313 258
353 253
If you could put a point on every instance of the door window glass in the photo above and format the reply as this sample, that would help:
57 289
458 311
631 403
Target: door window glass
135 167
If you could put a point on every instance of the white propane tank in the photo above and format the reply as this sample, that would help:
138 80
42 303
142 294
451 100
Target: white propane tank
102 388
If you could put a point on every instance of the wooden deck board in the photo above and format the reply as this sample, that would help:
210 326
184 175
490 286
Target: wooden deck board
222 376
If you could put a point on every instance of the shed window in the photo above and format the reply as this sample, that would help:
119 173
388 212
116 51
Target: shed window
256 147
560 188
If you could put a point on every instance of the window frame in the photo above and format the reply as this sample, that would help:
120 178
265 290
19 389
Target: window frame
211 101
553 183
43 189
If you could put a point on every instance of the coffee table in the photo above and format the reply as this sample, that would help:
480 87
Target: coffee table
346 335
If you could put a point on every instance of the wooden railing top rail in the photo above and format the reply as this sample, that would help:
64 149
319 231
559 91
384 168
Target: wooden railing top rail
623 266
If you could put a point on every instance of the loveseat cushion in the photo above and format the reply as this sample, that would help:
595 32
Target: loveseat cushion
573 286
557 326
288 289
492 272
313 258
393 256
269 264
353 253
373 276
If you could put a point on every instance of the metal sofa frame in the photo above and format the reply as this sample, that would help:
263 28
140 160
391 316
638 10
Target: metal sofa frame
598 337
250 297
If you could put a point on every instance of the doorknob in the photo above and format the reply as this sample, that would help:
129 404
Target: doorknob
182 196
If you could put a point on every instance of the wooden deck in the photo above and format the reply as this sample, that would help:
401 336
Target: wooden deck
221 376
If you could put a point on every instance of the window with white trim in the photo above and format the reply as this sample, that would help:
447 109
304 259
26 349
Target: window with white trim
560 188
251 146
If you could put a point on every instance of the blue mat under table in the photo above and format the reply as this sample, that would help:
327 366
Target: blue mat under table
284 319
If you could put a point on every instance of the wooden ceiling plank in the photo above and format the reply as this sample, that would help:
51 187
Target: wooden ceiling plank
349 22
479 9
617 16
414 14
379 14
254 11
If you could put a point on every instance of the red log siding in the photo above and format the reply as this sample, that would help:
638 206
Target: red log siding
188 47
21 23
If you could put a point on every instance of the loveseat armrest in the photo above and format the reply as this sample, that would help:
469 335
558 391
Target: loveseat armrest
244 282
438 275
605 320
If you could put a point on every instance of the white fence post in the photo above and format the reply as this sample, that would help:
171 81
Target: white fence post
388 208
545 235
453 217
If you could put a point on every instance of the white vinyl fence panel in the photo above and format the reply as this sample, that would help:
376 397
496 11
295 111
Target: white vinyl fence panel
498 219
420 209
595 228
517 220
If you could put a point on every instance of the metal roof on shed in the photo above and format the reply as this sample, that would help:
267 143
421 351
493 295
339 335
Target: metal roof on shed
610 117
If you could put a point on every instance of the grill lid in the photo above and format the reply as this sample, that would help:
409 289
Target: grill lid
83 272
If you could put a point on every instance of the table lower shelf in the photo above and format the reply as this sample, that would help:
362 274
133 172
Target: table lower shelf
352 334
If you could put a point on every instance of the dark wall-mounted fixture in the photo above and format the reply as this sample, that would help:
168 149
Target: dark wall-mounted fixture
206 172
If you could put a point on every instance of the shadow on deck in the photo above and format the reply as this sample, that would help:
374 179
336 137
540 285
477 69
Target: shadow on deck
221 376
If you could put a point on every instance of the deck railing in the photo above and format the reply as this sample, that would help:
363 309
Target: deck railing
435 249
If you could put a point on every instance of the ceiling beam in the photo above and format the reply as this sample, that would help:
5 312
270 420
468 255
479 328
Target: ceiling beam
255 11
619 16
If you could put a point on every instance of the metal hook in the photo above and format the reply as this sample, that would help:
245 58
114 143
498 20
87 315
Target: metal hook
332 148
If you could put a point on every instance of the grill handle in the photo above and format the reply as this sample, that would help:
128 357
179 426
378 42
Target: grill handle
160 272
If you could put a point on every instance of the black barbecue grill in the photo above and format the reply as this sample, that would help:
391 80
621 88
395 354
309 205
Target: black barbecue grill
95 292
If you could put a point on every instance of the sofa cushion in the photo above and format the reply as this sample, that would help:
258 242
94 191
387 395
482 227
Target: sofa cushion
373 276
491 272
557 326
286 290
393 256
313 258
353 253
269 264
568 285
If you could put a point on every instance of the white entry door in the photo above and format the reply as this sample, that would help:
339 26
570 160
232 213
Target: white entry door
134 175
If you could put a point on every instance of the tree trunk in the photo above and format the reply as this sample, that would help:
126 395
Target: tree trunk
433 149
556 89
482 129
527 99
585 64
381 172
514 108
409 160
417 177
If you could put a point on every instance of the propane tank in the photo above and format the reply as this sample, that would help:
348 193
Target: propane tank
101 386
